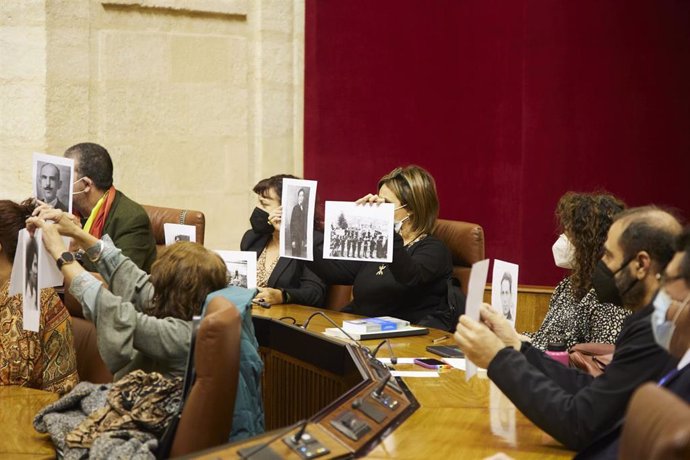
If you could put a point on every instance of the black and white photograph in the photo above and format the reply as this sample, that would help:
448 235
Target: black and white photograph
174 233
504 282
241 268
297 220
31 293
53 180
358 232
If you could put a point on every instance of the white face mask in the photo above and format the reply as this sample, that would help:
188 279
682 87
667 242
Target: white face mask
563 252
663 328
399 223
76 182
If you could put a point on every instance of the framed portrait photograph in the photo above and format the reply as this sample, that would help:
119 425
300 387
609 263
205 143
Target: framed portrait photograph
53 180
241 267
358 232
297 220
504 283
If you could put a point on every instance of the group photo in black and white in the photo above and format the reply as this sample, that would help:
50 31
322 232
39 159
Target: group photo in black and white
358 232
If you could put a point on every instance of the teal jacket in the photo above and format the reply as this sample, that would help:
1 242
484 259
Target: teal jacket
248 420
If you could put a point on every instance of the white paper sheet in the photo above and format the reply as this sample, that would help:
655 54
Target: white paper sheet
241 266
400 360
414 374
179 232
475 295
458 363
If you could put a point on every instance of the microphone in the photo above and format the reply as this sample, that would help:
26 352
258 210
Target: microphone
379 389
320 313
394 359
243 454
297 436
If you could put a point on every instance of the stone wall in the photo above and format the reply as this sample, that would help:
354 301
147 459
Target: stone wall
196 100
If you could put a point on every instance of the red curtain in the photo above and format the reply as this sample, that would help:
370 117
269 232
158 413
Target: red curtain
509 104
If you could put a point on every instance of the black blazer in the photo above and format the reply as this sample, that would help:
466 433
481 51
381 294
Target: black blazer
302 285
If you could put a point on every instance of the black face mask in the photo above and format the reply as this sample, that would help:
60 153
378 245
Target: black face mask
604 283
260 223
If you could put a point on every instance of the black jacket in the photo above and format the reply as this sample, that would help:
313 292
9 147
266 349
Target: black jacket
412 287
573 407
606 446
302 285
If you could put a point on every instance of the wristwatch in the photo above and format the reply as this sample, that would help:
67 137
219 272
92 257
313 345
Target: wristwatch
65 258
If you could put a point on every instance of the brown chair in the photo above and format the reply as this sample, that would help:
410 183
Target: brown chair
657 426
206 419
465 242
159 216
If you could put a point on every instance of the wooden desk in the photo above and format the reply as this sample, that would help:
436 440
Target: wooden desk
454 418
18 406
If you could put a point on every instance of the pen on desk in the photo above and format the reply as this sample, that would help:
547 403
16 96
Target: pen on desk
440 339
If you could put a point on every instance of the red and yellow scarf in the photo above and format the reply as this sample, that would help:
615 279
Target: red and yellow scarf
96 221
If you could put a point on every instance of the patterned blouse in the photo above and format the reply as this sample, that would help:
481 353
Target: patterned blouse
46 359
573 322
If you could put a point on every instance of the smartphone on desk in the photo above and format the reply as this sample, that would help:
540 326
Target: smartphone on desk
447 351
431 363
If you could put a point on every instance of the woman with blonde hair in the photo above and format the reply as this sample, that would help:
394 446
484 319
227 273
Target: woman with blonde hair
142 322
414 286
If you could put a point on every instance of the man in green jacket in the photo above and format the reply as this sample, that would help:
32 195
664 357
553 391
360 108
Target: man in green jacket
104 210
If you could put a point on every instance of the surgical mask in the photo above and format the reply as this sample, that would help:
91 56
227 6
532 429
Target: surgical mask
260 223
604 283
663 329
563 252
75 183
397 225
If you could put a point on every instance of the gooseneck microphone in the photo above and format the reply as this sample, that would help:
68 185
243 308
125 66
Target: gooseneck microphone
246 454
320 313
379 389
393 358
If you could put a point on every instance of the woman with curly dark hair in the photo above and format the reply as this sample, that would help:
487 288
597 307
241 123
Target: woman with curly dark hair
575 314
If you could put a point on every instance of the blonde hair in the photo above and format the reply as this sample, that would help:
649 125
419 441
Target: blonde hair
416 189
182 276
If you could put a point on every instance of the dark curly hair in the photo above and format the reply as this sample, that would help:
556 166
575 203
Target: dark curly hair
585 218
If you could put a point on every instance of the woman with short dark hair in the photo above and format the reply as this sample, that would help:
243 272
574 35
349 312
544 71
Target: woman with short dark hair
279 279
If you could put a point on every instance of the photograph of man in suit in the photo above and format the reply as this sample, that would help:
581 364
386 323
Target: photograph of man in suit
507 295
298 225
50 183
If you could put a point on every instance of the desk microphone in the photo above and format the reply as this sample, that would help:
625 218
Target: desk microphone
393 358
379 389
320 313
246 454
